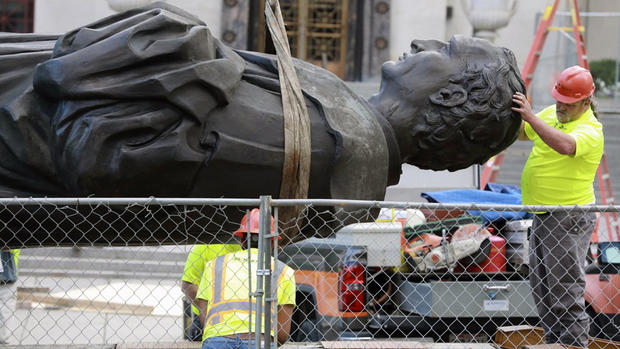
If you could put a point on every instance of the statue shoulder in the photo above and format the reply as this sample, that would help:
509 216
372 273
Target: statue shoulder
361 169
361 141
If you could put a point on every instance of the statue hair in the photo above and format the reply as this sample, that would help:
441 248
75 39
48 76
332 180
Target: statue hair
470 133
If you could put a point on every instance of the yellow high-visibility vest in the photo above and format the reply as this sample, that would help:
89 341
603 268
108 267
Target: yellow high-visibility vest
550 178
226 285
198 256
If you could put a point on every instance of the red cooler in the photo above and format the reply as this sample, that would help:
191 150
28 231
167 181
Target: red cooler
496 262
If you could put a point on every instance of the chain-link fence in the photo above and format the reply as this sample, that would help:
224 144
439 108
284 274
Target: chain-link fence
113 271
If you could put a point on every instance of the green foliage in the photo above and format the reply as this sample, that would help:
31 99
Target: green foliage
603 70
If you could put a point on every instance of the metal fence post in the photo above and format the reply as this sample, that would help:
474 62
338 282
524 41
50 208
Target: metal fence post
267 238
274 277
262 270
250 293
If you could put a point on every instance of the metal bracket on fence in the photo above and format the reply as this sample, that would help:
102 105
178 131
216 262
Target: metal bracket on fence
263 272
487 288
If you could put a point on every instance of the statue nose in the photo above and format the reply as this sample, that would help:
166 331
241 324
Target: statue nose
417 46
426 45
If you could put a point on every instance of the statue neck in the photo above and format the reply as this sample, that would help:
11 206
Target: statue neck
395 162
388 109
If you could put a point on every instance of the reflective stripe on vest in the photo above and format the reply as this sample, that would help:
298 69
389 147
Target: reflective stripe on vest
218 287
220 304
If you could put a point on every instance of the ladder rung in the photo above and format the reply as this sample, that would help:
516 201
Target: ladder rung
566 29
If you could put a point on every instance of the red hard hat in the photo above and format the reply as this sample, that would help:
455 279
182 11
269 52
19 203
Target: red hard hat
254 224
573 84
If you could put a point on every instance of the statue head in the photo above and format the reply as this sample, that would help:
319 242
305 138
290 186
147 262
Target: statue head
450 102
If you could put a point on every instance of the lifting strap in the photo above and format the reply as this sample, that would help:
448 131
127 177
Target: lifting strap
297 145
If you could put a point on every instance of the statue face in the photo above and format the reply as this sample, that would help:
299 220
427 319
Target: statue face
447 101
418 72
426 68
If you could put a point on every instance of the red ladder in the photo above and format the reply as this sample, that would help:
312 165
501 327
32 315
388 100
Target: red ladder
492 167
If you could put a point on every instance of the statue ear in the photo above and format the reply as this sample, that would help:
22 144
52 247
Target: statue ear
449 96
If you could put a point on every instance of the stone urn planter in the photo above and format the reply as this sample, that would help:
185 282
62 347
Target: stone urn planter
486 16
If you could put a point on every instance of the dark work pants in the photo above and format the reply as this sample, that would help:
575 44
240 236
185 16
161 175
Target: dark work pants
195 330
558 246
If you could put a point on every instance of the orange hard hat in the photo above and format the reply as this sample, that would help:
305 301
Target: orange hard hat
254 224
573 84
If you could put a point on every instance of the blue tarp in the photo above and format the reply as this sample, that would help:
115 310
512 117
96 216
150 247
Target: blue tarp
504 188
496 194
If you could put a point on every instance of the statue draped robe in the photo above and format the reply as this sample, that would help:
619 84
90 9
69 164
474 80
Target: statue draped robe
148 103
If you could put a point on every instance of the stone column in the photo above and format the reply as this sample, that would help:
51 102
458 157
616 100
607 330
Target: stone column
235 23
486 16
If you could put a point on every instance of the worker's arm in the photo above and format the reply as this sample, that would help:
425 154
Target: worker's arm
556 139
285 313
189 290
202 304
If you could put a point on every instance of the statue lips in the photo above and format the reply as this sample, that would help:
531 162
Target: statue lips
405 55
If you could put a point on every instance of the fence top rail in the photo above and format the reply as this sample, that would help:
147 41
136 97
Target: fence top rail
129 201
455 206
299 202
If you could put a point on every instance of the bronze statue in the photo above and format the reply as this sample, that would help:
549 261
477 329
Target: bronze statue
148 103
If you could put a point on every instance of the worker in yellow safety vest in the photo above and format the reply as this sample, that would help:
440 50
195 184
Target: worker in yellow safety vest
568 147
223 294
198 256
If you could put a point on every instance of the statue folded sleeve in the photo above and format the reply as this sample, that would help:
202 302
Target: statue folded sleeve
26 165
129 97
148 103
